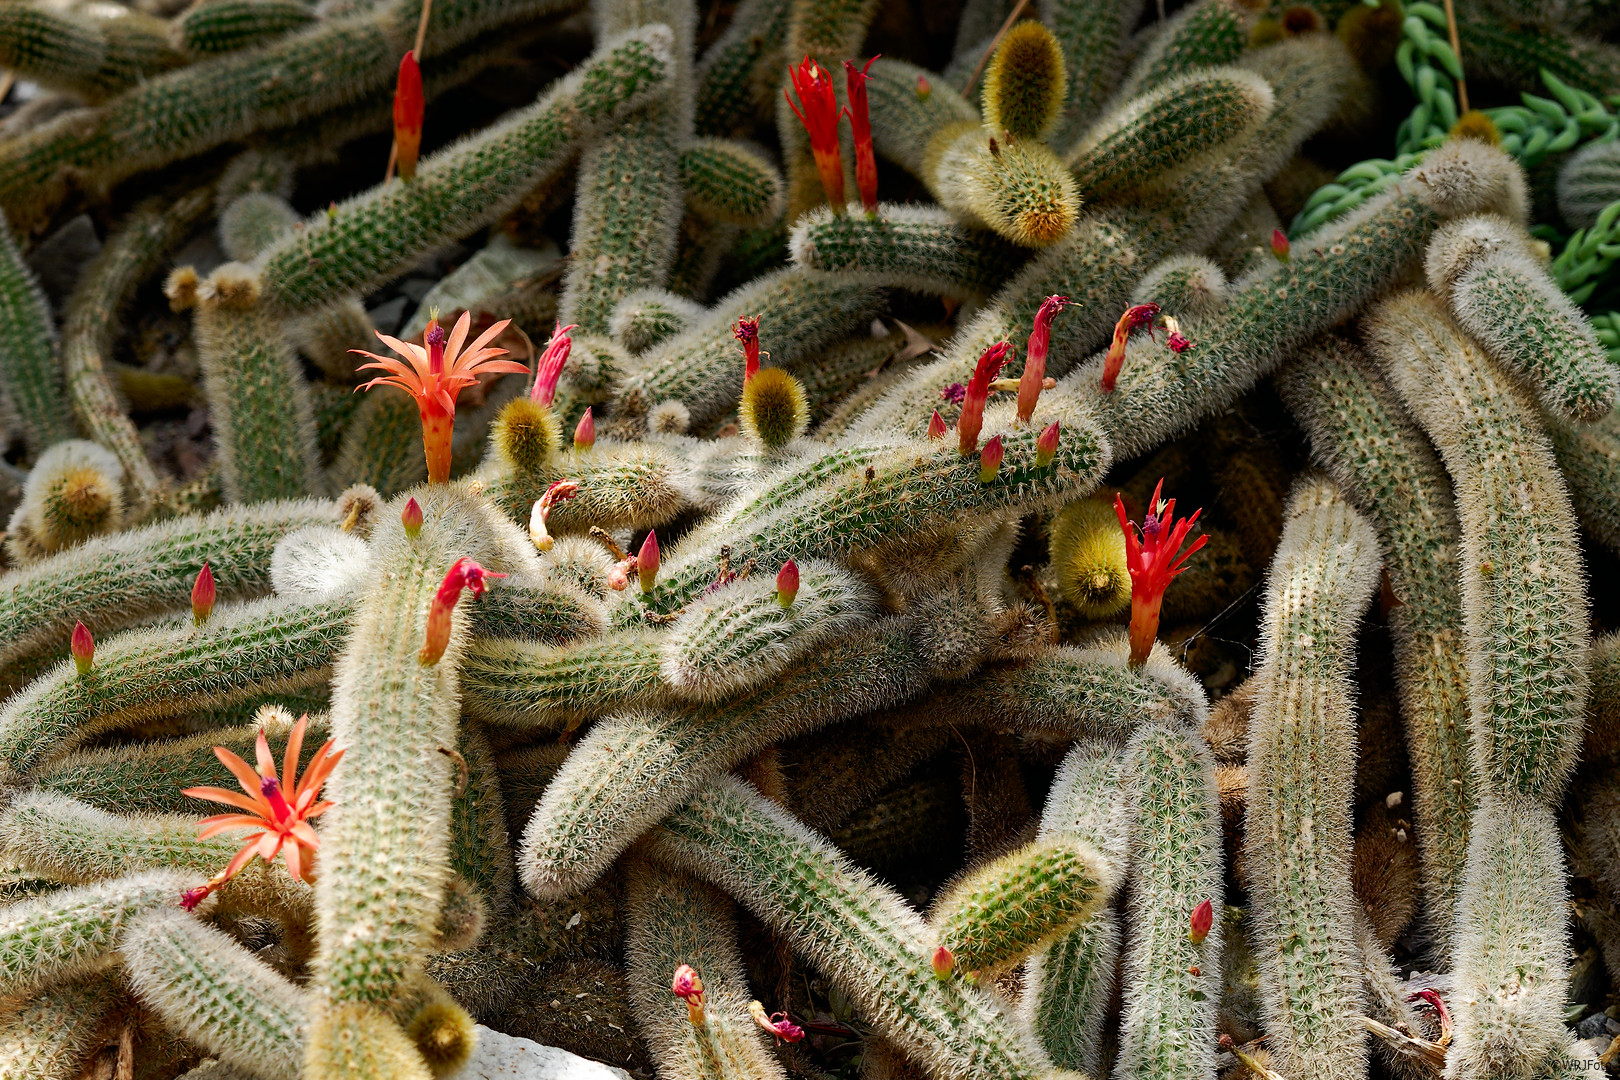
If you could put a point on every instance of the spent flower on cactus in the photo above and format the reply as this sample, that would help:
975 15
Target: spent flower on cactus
1136 316
688 986
1040 341
409 107
976 393
860 123
548 370
556 493
464 573
777 1024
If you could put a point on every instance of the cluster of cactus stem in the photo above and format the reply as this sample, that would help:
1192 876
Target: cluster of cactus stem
937 582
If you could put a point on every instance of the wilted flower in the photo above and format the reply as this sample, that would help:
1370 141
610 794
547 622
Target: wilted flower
1040 341
978 391
688 986
556 493
777 1024
1137 316
464 573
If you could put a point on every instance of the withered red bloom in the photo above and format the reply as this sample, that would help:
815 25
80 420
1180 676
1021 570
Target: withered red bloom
1153 556
1135 317
549 369
953 393
777 1024
787 583
746 330
1438 1004
1203 918
409 106
688 986
971 421
202 596
860 123
556 493
83 648
819 115
464 573
1040 341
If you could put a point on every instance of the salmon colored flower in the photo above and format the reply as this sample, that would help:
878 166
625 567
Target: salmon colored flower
1153 556
1040 341
549 370
409 105
820 115
860 122
556 493
279 826
943 962
202 596
464 573
83 648
1135 317
746 330
1203 918
971 421
434 375
777 1024
688 986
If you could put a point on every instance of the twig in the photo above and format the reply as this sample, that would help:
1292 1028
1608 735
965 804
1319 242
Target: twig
1456 50
995 41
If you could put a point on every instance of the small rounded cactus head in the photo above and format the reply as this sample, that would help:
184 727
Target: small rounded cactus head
1025 85
774 410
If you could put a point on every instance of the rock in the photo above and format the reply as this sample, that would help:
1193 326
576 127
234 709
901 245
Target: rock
502 1057
386 316
61 256
1592 1027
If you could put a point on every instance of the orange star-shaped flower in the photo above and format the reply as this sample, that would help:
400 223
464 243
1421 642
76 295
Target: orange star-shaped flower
437 371
280 827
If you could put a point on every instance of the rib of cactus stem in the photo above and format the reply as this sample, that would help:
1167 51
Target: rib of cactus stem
673 918
735 83
555 688
862 936
1386 467
480 849
631 769
113 581
229 97
914 485
1092 35
1589 459
215 993
392 712
89 327
29 375
86 56
51 1034
729 182
74 931
227 25
1302 757
799 313
923 247
242 651
370 238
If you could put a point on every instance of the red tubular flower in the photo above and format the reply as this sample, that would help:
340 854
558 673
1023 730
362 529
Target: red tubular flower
820 119
83 648
434 373
936 426
990 460
777 1024
463 574
409 105
556 493
280 825
860 122
1046 446
549 369
943 962
787 583
1040 340
202 596
1153 556
1134 317
585 431
1279 245
688 986
746 330
647 562
978 391
1203 918
411 517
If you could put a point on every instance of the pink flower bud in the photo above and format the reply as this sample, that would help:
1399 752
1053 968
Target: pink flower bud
618 575
990 460
548 370
1046 446
924 88
943 962
411 517
936 426
202 596
647 562
83 647
787 583
1203 918
464 573
1279 245
585 432
777 1024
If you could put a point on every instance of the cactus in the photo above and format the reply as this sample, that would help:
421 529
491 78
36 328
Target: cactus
921 248
1204 32
731 183
88 56
74 492
219 26
517 683
1587 183
28 371
1298 829
49 1035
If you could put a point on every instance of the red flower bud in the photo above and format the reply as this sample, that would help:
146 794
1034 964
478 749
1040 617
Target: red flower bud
787 583
83 648
411 517
1279 245
409 105
1203 918
1046 446
549 368
647 562
202 596
943 962
924 88
990 460
936 426
585 431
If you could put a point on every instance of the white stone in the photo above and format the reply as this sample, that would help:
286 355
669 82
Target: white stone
503 1057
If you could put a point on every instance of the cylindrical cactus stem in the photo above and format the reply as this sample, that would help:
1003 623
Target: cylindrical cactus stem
736 80
1069 985
799 313
1136 145
1206 32
1588 182
864 937
1523 596
75 931
215 993
1589 458
480 849
921 248
556 687
51 1034
1388 470
743 635
1507 301
74 492
651 317
910 106
552 613
243 651
87 56
255 220
672 919
1092 35
1302 759
218 26
394 704
731 183
1516 52
1603 709
1511 944
359 1041
1171 973
258 399
135 250
29 374
382 446
113 581
368 239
